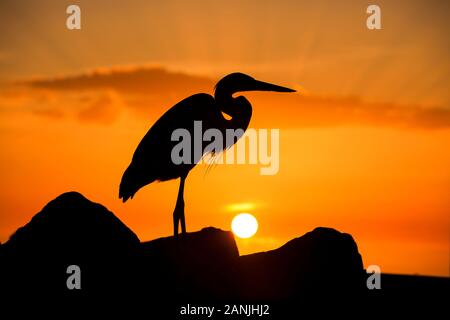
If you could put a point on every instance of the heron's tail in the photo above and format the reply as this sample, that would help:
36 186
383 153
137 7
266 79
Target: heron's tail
129 185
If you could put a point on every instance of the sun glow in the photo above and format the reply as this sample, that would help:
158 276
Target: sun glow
244 225
239 207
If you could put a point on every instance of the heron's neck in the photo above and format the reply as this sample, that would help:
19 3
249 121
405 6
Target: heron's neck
225 101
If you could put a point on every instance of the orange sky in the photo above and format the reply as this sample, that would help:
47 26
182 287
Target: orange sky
363 146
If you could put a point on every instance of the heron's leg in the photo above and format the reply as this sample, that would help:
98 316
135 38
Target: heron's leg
181 191
176 220
178 213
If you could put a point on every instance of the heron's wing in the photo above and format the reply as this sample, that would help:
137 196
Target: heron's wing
152 158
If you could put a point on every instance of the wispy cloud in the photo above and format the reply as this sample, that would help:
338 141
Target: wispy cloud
129 80
99 96
312 111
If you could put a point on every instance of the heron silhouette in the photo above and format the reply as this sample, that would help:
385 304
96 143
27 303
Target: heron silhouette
152 160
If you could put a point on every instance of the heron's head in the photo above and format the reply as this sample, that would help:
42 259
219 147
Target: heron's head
238 82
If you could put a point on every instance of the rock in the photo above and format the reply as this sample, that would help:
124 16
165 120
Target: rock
70 230
318 272
321 262
72 225
198 265
203 265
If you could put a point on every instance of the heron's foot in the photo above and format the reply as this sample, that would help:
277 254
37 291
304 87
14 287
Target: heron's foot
178 217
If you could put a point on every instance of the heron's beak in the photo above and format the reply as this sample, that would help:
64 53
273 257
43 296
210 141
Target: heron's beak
264 86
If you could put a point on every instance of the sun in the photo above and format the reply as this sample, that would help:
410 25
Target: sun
244 225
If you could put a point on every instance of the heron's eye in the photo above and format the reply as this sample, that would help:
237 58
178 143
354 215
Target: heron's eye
226 116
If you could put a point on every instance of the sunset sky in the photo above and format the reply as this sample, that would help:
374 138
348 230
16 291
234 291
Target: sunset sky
364 143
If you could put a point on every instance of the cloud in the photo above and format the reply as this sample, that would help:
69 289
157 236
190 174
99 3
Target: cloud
102 93
312 111
49 113
101 106
104 109
144 80
99 96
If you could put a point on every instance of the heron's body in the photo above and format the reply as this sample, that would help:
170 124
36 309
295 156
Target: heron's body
152 159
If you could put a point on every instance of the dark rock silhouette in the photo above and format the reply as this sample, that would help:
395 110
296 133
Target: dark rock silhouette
69 230
323 261
203 265
78 225
321 267
199 264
